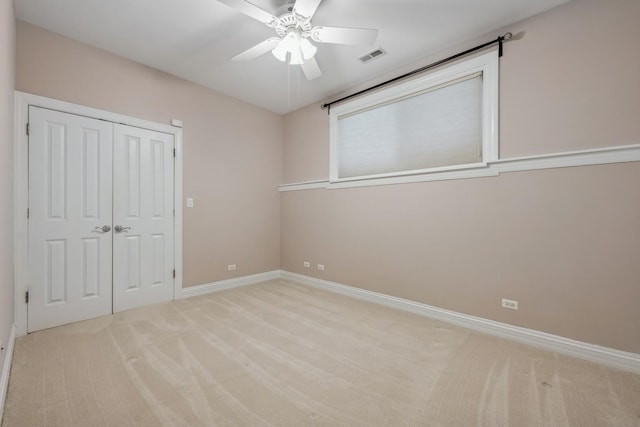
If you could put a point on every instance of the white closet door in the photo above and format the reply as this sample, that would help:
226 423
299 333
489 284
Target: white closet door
69 218
142 217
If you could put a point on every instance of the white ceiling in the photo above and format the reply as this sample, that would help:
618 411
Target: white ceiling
195 39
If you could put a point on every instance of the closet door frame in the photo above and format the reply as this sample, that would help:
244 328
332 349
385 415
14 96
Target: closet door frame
22 101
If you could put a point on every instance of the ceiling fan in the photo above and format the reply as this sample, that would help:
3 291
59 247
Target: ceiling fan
294 34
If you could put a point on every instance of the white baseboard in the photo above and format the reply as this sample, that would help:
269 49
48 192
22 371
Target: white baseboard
222 285
593 353
6 369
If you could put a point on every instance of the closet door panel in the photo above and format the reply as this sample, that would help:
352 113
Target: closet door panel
70 238
143 217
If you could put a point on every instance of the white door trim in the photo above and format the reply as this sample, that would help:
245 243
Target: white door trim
22 101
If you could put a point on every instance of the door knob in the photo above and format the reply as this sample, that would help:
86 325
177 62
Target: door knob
119 228
104 228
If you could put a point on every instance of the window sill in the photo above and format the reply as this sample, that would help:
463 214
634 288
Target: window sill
598 156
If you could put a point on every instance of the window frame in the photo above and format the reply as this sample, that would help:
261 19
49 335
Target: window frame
486 63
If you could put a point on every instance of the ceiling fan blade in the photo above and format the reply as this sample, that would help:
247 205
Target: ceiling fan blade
311 69
306 8
341 35
257 50
252 11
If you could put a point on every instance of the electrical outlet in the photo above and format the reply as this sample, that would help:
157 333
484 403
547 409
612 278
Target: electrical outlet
508 303
320 266
231 267
307 264
190 202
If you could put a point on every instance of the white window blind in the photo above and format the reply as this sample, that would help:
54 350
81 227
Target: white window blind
437 127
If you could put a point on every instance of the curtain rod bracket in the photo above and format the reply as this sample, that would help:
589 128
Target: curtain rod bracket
501 40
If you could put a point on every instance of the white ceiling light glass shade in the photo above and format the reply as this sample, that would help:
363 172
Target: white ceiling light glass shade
292 40
280 51
307 48
296 57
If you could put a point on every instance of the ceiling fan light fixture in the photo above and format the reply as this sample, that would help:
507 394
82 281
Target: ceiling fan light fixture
297 47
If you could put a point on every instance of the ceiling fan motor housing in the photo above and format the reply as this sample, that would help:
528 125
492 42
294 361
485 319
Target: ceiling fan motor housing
291 21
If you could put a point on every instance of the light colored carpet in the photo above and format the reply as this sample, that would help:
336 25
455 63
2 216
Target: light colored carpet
282 354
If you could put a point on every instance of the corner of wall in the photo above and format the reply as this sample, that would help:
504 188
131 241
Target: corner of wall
7 86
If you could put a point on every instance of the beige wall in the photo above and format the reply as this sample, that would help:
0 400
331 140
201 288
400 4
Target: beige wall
7 73
306 148
563 242
232 150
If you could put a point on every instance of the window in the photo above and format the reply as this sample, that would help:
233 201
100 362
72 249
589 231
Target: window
446 120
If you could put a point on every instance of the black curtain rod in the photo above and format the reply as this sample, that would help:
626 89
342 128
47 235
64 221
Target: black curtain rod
499 40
